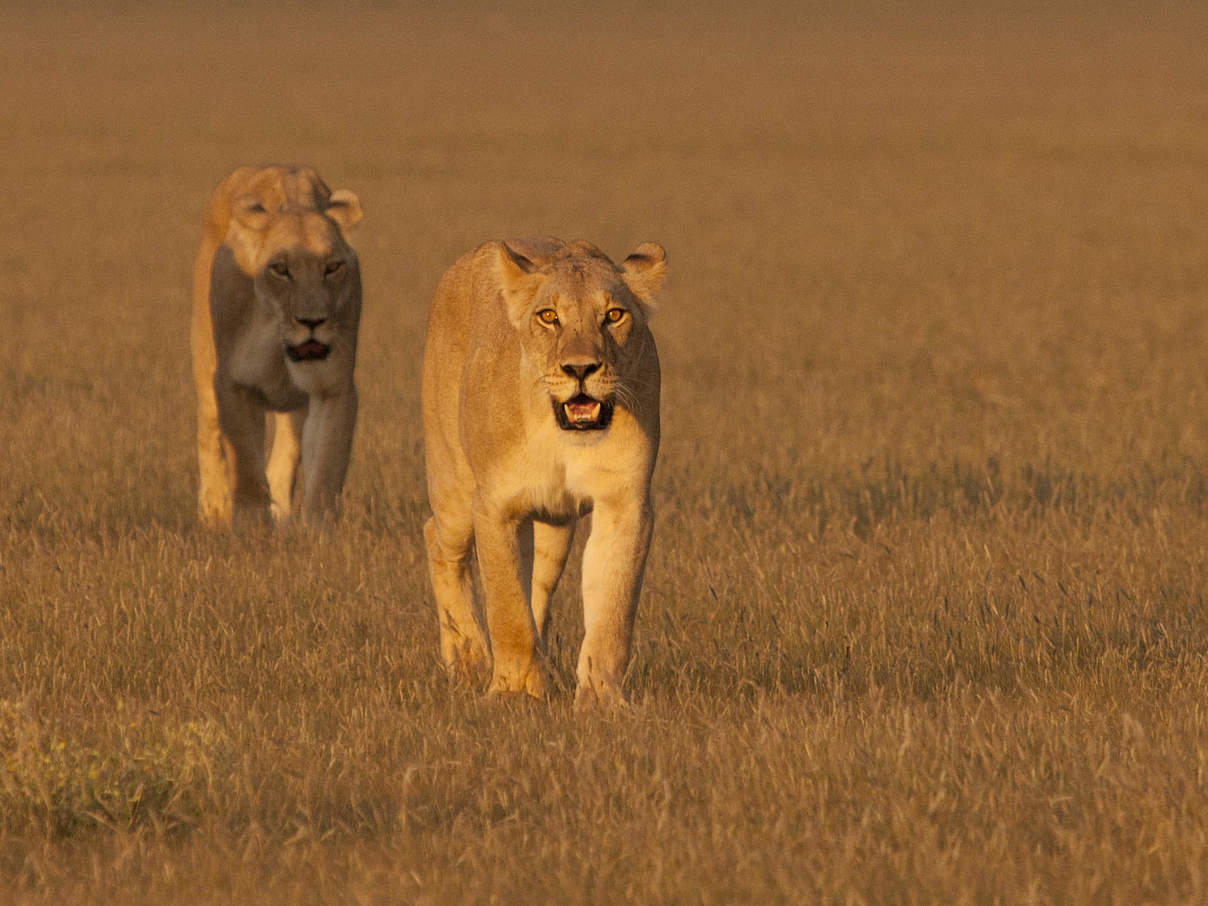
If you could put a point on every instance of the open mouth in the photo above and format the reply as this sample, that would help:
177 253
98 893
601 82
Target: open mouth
582 413
310 351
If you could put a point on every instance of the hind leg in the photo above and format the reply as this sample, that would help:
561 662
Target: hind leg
283 462
551 544
449 537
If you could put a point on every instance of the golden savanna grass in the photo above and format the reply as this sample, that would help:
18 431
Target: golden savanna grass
925 620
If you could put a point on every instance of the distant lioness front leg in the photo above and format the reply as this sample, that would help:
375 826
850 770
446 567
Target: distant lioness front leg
326 447
213 456
242 422
613 562
214 464
517 663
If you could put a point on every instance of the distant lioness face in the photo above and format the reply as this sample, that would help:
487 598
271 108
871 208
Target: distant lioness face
306 279
575 321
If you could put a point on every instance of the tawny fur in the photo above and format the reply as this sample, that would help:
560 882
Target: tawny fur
515 330
244 318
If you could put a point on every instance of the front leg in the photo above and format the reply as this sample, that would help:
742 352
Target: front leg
242 421
613 562
326 448
214 461
518 664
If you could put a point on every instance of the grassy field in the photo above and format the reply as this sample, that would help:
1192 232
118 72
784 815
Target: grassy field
925 618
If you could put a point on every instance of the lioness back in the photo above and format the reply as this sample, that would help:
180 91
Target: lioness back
276 306
541 404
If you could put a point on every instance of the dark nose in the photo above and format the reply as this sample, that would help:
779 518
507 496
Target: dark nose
580 371
312 323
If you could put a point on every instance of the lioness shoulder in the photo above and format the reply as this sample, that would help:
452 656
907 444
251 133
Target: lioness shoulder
541 404
276 308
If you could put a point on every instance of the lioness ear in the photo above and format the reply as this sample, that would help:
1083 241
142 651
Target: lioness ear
645 270
250 212
345 209
519 279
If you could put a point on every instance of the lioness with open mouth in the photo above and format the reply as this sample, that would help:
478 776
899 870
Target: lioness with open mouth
541 405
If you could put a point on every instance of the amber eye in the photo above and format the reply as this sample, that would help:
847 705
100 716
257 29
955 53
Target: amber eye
614 315
334 267
280 268
548 316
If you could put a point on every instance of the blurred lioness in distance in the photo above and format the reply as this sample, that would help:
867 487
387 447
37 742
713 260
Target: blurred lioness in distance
276 307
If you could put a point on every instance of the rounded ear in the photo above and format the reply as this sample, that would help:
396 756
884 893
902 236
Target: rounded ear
344 207
645 270
250 212
519 279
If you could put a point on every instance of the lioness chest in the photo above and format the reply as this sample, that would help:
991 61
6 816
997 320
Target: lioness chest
556 476
256 361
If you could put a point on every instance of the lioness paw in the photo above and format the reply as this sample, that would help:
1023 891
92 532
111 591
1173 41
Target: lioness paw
600 697
531 682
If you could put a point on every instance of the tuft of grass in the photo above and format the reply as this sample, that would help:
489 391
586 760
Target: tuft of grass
56 786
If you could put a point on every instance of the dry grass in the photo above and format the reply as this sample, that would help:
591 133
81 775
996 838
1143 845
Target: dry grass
926 619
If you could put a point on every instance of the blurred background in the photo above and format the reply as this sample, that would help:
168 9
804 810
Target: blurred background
924 620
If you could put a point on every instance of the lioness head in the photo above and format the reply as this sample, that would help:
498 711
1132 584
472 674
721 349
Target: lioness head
582 322
289 232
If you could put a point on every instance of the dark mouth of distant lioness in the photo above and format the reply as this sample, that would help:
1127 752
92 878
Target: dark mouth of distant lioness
309 351
583 413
